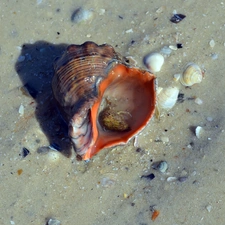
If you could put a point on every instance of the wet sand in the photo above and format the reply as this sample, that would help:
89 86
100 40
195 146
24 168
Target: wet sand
110 188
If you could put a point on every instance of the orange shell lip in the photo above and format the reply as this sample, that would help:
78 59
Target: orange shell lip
130 90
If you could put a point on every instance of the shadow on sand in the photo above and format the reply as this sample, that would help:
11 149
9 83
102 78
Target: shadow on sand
35 67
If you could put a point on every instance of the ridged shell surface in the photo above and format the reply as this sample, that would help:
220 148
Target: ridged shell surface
72 87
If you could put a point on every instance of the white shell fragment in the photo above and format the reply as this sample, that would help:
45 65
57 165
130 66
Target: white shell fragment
191 75
21 110
80 15
54 222
198 131
212 43
154 62
167 97
198 101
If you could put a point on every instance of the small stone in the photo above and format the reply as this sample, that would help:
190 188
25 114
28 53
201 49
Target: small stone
182 179
173 47
171 179
165 139
81 15
198 131
25 152
198 101
21 110
209 118
212 43
209 208
129 31
161 166
54 222
150 176
214 56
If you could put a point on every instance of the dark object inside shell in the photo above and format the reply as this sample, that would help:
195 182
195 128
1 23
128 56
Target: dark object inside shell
113 121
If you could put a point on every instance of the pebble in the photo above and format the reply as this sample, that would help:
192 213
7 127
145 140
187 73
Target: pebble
129 31
150 176
21 110
198 131
54 222
81 15
25 152
212 43
209 208
214 56
182 179
43 150
171 179
209 119
161 166
198 101
165 139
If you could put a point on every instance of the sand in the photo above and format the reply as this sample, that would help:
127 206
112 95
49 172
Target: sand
110 188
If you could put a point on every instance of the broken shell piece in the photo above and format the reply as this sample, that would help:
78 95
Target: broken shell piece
167 97
191 75
154 62
198 131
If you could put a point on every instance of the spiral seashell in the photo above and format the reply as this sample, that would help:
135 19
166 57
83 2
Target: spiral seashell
167 97
104 101
191 75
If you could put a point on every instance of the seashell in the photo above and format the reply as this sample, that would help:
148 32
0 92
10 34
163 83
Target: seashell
104 100
191 75
167 97
154 62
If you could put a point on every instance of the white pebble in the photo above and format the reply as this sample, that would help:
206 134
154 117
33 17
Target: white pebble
165 139
154 62
209 208
212 43
198 131
171 179
21 110
129 31
198 101
80 15
173 47
209 118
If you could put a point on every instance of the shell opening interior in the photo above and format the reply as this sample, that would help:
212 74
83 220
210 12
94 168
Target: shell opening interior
126 104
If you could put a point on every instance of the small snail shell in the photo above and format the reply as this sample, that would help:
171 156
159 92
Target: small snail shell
191 75
167 97
154 62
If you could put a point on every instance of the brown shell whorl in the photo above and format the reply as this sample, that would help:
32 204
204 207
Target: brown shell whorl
78 72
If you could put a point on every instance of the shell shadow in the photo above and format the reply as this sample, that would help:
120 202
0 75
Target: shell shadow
35 69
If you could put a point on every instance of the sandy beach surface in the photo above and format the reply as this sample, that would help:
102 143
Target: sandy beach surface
114 187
